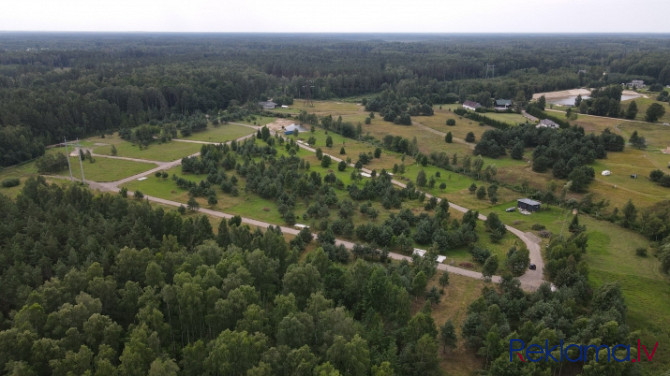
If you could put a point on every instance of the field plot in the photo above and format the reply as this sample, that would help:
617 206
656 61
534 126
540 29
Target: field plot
106 169
166 152
222 133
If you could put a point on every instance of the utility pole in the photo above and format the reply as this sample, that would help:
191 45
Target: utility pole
67 154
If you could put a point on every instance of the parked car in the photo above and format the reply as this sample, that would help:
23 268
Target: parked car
532 267
509 210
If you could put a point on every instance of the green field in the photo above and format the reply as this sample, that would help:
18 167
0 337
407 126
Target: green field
221 133
106 169
166 152
511 119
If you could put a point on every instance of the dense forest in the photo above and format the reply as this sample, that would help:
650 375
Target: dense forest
107 285
72 85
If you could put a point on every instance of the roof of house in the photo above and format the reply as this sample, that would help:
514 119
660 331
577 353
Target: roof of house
471 104
267 104
548 123
503 102
528 201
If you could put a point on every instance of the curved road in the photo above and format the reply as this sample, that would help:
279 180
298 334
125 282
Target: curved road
530 281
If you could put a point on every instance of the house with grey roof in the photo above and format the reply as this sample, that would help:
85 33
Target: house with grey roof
546 123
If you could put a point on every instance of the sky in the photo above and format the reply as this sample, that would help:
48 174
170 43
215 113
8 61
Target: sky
349 16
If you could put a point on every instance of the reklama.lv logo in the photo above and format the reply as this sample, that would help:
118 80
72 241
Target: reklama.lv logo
575 353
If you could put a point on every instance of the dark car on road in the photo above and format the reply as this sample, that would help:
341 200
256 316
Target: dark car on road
532 267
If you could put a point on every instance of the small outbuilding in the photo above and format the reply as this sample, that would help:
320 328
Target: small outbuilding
528 204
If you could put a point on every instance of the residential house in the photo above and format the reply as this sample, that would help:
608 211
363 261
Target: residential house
470 105
503 104
269 105
546 123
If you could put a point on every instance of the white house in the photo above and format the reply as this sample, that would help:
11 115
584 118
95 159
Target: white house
470 105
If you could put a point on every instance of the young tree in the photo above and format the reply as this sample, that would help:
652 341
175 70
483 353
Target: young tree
448 335
631 111
342 166
629 214
637 141
473 188
192 204
114 151
319 153
490 266
421 179
655 112
517 151
542 102
325 161
481 192
470 137
448 138
444 279
211 200
378 152
329 141
451 122
342 151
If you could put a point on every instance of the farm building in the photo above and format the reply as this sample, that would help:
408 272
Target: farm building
269 105
470 105
528 204
503 104
546 123
637 84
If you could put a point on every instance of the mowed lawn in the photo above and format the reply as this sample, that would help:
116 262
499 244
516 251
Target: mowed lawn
221 133
106 169
166 152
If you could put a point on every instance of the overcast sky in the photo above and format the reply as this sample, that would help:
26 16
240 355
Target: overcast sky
431 16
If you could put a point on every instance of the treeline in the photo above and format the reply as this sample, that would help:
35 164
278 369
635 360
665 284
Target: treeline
107 285
56 85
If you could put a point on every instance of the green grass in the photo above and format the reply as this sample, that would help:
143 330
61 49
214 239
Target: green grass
222 133
166 152
107 169
511 119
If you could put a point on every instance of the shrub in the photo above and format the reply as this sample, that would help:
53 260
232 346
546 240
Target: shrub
11 182
538 227
451 122
642 252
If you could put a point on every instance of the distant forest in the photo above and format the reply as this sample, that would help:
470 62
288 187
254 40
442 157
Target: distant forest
74 85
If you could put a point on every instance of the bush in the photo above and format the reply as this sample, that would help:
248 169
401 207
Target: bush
451 122
470 137
11 182
642 252
538 227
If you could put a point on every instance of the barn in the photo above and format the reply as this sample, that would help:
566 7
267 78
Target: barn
528 204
